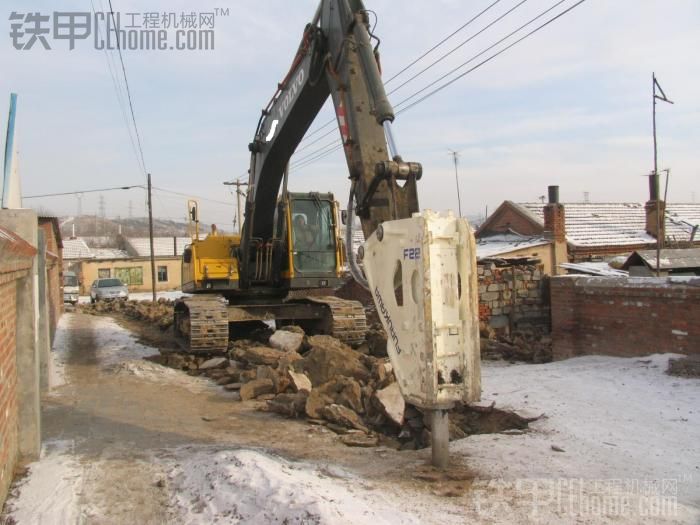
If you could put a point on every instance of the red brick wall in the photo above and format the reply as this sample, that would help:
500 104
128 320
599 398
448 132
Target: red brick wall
623 317
54 271
15 262
8 385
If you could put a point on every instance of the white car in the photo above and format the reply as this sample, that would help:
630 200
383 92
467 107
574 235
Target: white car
108 289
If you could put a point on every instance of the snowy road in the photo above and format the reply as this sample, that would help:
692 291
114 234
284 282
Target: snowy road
128 441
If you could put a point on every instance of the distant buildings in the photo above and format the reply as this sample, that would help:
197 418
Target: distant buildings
130 262
574 232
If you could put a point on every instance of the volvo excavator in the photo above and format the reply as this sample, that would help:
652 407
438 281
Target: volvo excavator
419 267
290 242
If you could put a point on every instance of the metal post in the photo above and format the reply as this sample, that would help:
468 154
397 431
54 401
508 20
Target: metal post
656 180
239 194
455 154
659 234
150 238
440 436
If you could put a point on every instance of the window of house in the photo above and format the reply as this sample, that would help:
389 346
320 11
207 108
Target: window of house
162 274
129 276
104 273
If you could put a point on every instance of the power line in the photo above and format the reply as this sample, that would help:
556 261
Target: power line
128 91
118 91
459 46
335 142
440 88
441 42
332 120
500 52
189 195
79 192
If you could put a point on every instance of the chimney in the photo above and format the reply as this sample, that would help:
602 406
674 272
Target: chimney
655 210
555 229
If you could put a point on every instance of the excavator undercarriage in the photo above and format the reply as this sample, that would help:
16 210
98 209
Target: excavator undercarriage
204 323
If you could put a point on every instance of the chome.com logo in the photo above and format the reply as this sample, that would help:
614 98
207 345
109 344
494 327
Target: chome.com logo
157 31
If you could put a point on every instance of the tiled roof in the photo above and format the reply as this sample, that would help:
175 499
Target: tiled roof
162 246
502 244
76 249
617 224
669 259
109 253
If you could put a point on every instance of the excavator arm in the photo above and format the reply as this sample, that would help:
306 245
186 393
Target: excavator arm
335 58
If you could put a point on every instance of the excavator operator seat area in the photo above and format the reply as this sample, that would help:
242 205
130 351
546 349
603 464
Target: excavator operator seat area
313 233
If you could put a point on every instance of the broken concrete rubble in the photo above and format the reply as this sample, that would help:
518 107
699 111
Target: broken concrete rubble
354 395
216 362
329 358
342 390
299 382
343 416
255 388
392 403
258 355
286 341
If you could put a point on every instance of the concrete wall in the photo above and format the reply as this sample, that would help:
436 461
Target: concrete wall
21 353
623 316
89 272
54 275
513 299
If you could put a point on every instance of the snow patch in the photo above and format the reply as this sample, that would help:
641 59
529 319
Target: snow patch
249 486
51 490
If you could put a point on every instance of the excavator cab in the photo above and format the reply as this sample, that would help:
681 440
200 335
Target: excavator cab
306 244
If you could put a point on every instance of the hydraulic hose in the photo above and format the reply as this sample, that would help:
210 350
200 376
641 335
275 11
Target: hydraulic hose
355 270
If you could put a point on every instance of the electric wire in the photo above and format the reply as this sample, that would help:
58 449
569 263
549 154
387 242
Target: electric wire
459 46
118 92
485 61
415 61
412 63
440 88
128 91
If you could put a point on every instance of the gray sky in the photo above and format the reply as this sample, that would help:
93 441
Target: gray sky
570 105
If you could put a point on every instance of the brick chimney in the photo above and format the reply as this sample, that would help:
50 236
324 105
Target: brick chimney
555 229
655 228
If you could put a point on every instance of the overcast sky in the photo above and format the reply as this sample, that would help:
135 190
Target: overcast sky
570 105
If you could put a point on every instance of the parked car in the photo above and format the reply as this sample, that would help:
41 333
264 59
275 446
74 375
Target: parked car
108 289
70 288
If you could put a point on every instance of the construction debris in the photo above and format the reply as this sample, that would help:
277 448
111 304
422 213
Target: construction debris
159 313
321 379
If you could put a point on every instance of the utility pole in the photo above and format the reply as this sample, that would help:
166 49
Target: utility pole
455 155
239 194
659 236
150 238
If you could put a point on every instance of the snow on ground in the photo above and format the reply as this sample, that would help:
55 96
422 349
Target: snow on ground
622 423
49 493
249 486
113 344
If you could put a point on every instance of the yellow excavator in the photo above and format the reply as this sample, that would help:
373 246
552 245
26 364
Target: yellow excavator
303 254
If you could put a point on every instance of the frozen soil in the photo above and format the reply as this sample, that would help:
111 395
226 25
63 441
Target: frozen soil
129 441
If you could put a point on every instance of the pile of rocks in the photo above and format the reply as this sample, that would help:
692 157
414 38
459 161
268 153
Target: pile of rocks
159 313
319 378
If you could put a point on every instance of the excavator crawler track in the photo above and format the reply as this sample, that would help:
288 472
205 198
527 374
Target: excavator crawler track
201 323
349 322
